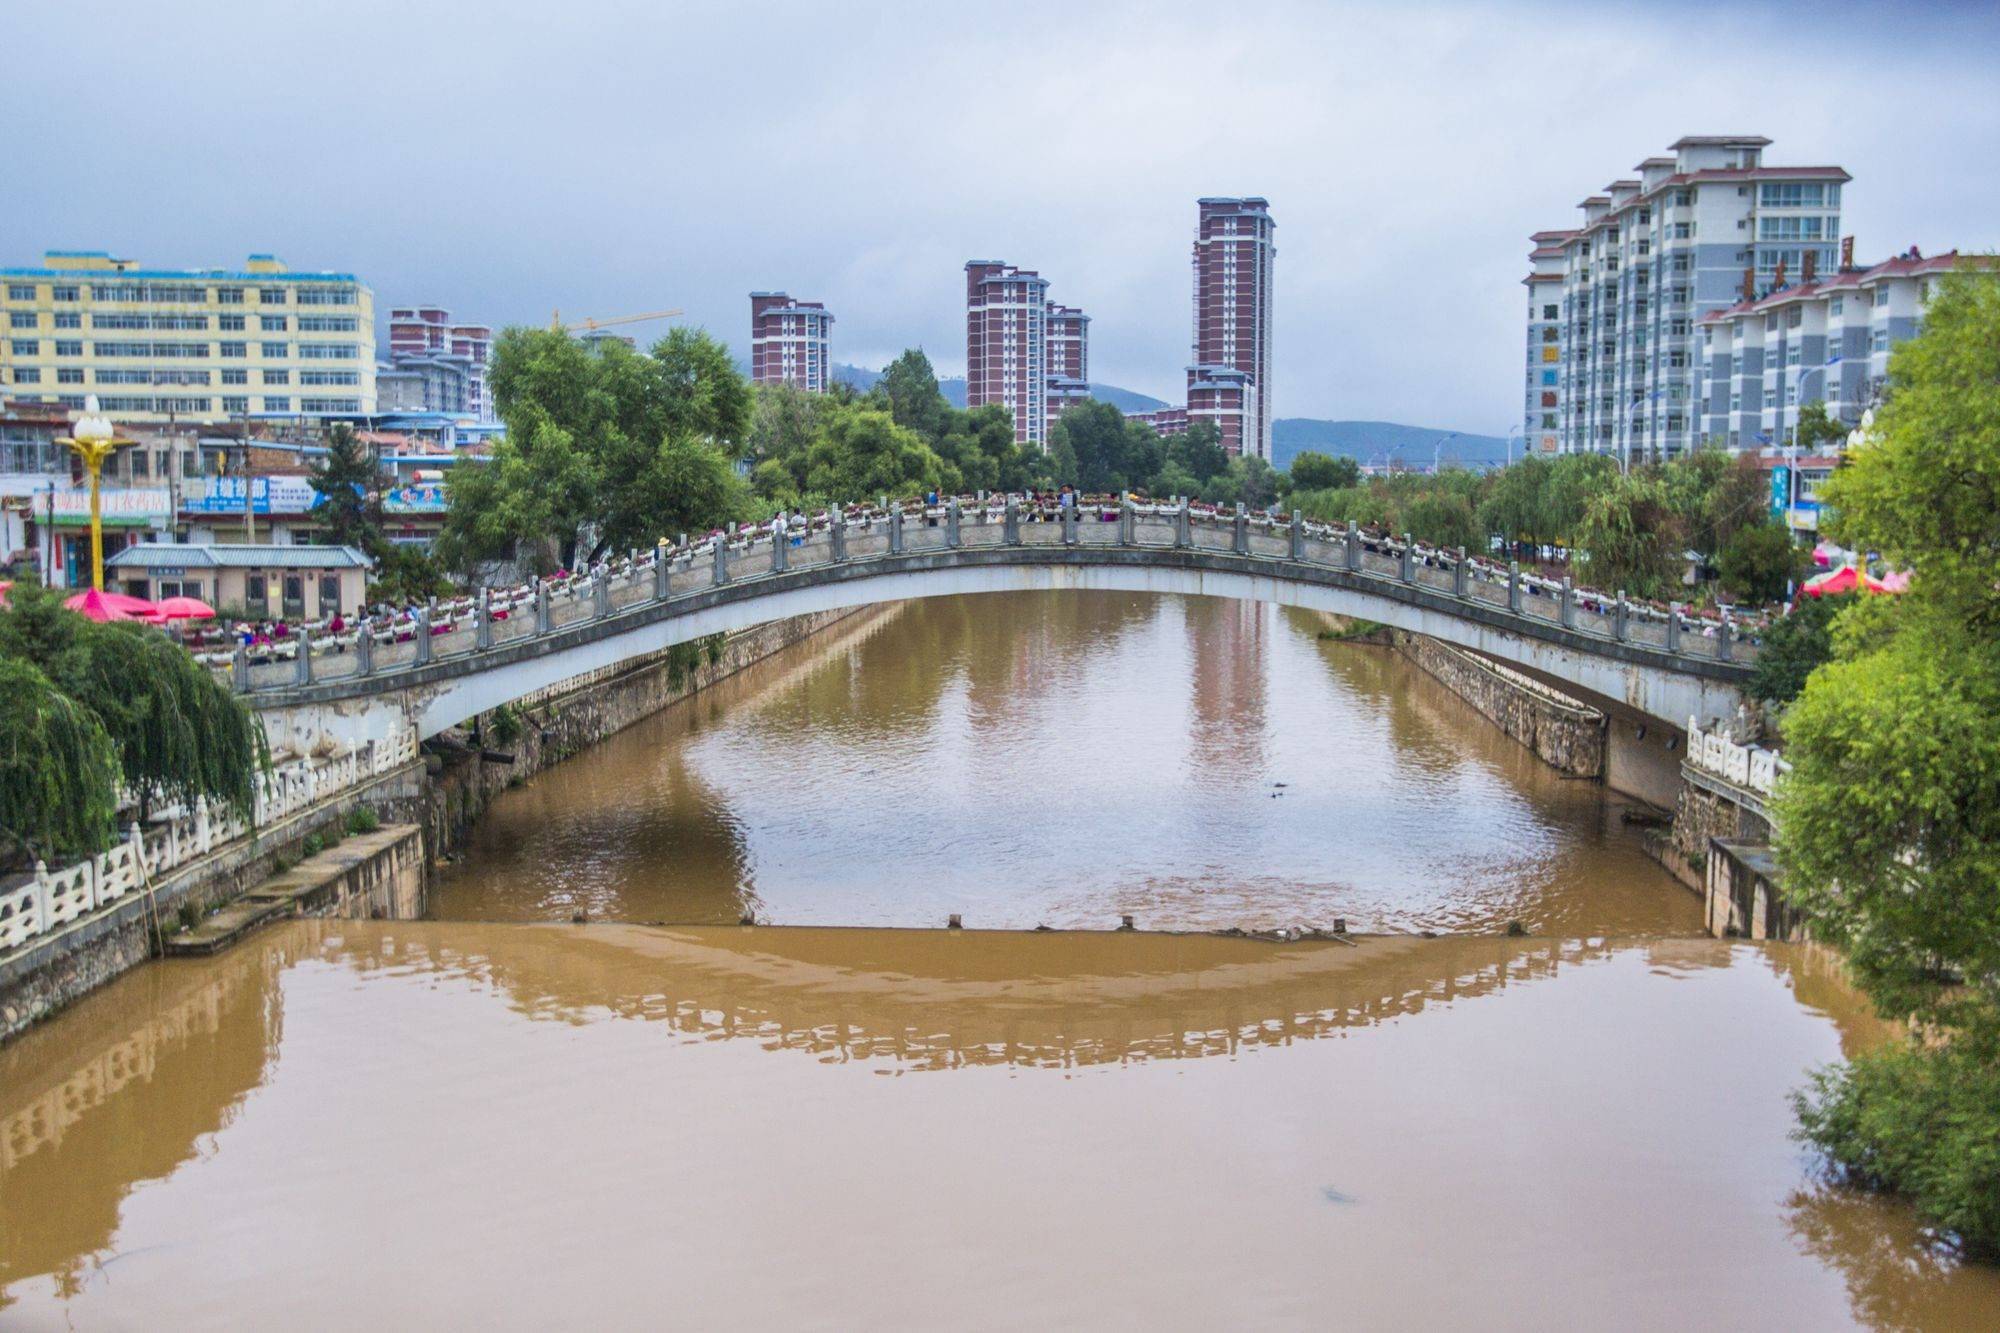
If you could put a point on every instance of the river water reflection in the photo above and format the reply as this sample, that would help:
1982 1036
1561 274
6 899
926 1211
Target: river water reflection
357 1124
1063 759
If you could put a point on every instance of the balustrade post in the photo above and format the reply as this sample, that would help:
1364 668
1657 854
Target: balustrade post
1353 549
1514 586
1461 576
1010 522
781 530
1184 525
1673 627
1621 623
896 530
721 558
1069 521
951 537
1568 607
364 648
1239 530
304 658
836 533
1128 520
423 636
239 669
1409 569
482 625
600 593
1725 640
1298 535
544 622
662 562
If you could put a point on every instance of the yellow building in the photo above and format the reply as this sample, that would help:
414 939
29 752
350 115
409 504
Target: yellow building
186 345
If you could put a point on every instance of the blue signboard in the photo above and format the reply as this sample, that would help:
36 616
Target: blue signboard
1781 489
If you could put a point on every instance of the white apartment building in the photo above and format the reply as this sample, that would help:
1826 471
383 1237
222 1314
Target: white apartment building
1827 340
1692 233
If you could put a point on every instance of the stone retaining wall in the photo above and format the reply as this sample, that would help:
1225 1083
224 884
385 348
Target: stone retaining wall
1566 735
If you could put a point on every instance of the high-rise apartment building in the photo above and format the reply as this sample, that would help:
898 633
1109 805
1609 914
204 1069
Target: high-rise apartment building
186 344
790 342
1006 344
1229 380
1067 351
441 364
1824 340
1541 421
1692 233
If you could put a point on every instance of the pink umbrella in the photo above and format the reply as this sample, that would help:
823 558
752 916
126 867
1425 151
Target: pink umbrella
186 608
113 606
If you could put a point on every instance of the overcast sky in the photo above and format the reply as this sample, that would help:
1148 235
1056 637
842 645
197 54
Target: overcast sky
508 159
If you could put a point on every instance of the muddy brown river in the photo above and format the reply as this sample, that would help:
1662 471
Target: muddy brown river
498 1119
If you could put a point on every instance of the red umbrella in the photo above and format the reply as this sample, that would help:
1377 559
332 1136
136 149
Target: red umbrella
185 608
102 606
1847 578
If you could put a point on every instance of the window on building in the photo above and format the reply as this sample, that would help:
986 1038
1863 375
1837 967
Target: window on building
271 295
273 323
64 292
256 591
236 376
1792 194
68 319
27 375
69 375
1881 296
1683 230
1880 341
234 349
139 465
277 351
20 291
277 404
21 319
229 323
235 403
26 347
277 377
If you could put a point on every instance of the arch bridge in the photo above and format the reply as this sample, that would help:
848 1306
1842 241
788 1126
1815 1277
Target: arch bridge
452 662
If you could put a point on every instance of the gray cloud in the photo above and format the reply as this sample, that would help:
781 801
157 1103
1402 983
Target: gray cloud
507 159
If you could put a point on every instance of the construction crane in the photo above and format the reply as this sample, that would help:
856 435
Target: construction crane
557 326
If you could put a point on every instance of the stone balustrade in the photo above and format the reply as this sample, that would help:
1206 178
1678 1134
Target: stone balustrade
46 902
494 618
1751 767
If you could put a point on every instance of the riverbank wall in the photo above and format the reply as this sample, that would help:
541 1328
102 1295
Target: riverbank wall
1566 735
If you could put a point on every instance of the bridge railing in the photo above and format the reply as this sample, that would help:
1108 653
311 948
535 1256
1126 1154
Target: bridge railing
1712 750
497 617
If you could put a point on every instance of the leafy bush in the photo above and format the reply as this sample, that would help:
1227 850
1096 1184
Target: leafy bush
362 819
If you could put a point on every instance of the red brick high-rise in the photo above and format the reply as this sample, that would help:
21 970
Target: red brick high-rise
1067 355
790 342
1006 344
1229 380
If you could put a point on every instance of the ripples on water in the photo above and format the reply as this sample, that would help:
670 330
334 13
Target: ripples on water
1064 759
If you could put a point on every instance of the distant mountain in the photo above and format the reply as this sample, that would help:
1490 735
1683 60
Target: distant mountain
1381 441
1125 400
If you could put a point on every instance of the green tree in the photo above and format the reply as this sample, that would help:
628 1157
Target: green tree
1444 520
1889 822
979 444
1313 471
1818 427
1111 453
1796 644
1631 536
58 771
349 483
1198 451
701 394
1573 479
1516 507
1760 563
910 387
863 455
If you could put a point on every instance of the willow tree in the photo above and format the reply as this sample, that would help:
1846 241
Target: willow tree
58 771
179 732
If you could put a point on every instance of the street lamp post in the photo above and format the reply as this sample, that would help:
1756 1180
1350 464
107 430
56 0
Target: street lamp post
93 442
1512 431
